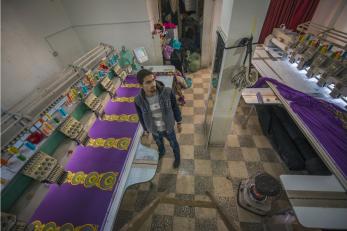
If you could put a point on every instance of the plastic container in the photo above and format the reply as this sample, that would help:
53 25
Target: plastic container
30 145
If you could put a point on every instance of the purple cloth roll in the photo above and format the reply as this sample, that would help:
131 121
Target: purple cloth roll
321 118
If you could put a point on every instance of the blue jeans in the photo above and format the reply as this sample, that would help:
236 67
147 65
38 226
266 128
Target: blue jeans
171 137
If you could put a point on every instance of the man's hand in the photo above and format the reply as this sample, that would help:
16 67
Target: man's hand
179 127
145 139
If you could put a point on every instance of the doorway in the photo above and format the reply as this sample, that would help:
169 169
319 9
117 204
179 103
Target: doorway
186 17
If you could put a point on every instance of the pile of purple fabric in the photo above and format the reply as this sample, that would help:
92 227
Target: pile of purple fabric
326 121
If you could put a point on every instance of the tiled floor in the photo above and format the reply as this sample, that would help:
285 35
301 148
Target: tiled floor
246 152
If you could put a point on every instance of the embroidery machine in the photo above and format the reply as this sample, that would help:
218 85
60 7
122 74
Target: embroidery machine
139 166
305 58
45 168
299 47
326 69
9 222
320 61
318 50
94 103
75 130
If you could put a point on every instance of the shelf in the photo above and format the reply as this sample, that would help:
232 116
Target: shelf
259 96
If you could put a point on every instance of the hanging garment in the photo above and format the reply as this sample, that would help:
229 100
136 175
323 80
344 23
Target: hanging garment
167 51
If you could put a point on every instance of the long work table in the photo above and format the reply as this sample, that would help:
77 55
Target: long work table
100 171
268 64
318 201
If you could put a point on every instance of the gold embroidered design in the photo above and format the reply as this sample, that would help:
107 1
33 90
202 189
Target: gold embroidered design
121 143
123 75
104 181
131 85
133 118
52 226
340 115
124 99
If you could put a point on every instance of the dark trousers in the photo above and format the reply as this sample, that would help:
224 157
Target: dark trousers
171 137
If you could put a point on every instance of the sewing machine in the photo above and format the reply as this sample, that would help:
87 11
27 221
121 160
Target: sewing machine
299 47
340 88
319 61
331 72
306 58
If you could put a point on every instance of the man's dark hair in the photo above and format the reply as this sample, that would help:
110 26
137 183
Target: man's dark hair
142 74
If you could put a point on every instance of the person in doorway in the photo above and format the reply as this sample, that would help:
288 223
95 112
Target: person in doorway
158 112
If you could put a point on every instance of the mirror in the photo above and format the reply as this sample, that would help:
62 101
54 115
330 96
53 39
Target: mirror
217 68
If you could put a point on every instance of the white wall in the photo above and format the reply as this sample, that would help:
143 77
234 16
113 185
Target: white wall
341 22
241 26
331 13
217 13
27 58
116 22
227 6
246 18
32 30
206 47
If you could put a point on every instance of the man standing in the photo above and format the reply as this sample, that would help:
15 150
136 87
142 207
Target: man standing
158 111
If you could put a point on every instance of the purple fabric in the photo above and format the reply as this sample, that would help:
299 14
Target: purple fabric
73 204
127 92
79 205
130 79
76 204
106 129
119 108
112 159
320 117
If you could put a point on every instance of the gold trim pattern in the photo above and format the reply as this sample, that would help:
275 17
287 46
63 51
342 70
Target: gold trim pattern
340 115
52 226
131 85
104 181
124 99
121 143
133 118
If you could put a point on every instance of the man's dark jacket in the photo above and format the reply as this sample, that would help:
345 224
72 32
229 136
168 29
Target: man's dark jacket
168 106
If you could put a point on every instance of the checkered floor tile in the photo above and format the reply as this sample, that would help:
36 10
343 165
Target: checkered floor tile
246 151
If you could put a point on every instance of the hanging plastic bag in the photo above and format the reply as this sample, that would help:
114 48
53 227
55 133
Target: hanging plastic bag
189 82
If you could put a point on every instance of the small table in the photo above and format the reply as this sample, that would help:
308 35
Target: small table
257 96
161 68
317 201
165 78
269 63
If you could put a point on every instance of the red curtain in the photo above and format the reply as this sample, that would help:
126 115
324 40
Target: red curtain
288 12
303 12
